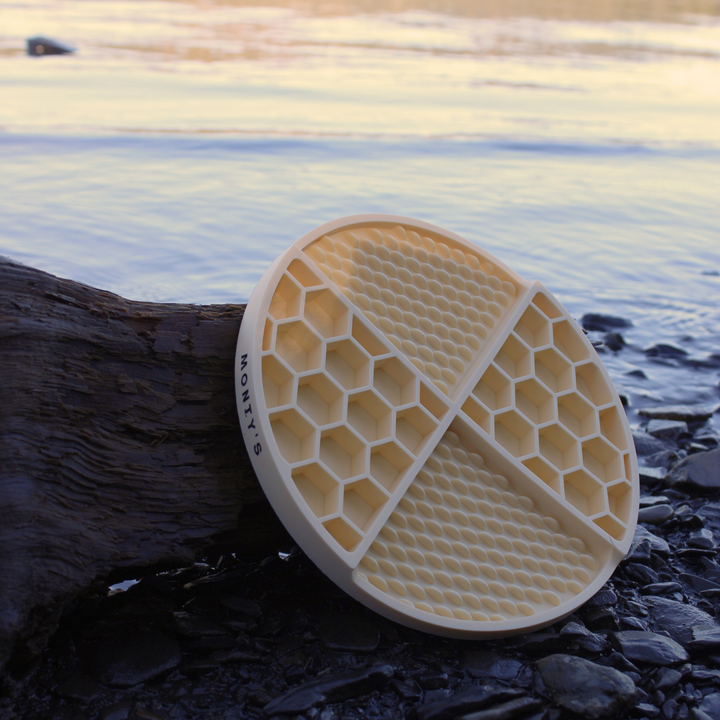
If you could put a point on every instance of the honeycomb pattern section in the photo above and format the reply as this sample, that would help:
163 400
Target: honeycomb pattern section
463 544
545 401
347 414
436 303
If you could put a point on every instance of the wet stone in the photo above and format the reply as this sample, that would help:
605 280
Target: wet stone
487 664
688 413
469 700
648 647
349 632
652 543
666 459
664 588
702 539
407 689
331 689
650 500
667 679
590 690
432 681
641 574
132 659
646 710
677 618
711 705
665 350
655 514
605 597
666 428
614 341
582 639
705 638
518 708
650 475
646 444
699 472
600 322
697 583
601 620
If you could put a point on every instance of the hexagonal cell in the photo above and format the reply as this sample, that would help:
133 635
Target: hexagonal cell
620 501
348 364
285 302
602 459
534 401
514 433
570 341
611 526
432 403
367 339
320 399
611 426
494 389
294 435
545 304
590 382
548 474
514 358
267 335
553 370
576 415
388 464
343 452
326 313
298 346
303 274
343 532
628 467
319 489
277 382
369 415
533 327
558 447
413 427
362 501
478 413
584 492
395 382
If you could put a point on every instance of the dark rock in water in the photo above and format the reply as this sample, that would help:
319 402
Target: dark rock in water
469 700
697 583
487 664
667 428
349 632
665 459
636 374
330 689
688 413
702 539
586 688
711 705
656 514
699 472
705 638
603 323
39 46
650 500
707 435
677 618
646 444
134 658
665 350
614 341
518 708
648 647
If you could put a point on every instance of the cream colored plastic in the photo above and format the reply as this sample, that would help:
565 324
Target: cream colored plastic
436 433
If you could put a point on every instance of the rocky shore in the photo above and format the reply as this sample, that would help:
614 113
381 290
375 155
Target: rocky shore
237 636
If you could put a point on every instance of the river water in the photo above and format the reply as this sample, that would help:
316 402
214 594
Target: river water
186 144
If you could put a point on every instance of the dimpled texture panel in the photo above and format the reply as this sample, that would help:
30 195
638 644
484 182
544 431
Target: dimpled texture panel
436 303
462 543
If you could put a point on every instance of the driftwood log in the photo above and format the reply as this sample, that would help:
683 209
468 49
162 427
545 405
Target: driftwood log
120 448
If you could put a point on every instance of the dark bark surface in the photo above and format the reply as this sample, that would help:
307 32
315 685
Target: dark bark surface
120 447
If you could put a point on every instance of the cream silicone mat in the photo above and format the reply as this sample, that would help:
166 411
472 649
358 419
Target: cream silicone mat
434 431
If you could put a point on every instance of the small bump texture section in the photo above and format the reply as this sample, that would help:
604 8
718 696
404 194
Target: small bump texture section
463 544
436 302
546 403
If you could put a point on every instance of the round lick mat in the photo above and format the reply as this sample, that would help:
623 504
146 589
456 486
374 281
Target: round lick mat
435 432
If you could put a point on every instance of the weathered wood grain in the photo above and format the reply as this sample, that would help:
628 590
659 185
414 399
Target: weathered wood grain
120 447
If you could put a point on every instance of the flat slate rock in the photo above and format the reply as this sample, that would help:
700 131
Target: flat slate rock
648 647
654 543
711 705
472 699
134 658
705 638
655 514
646 444
699 472
487 664
688 413
677 618
330 689
590 690
518 708
666 428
